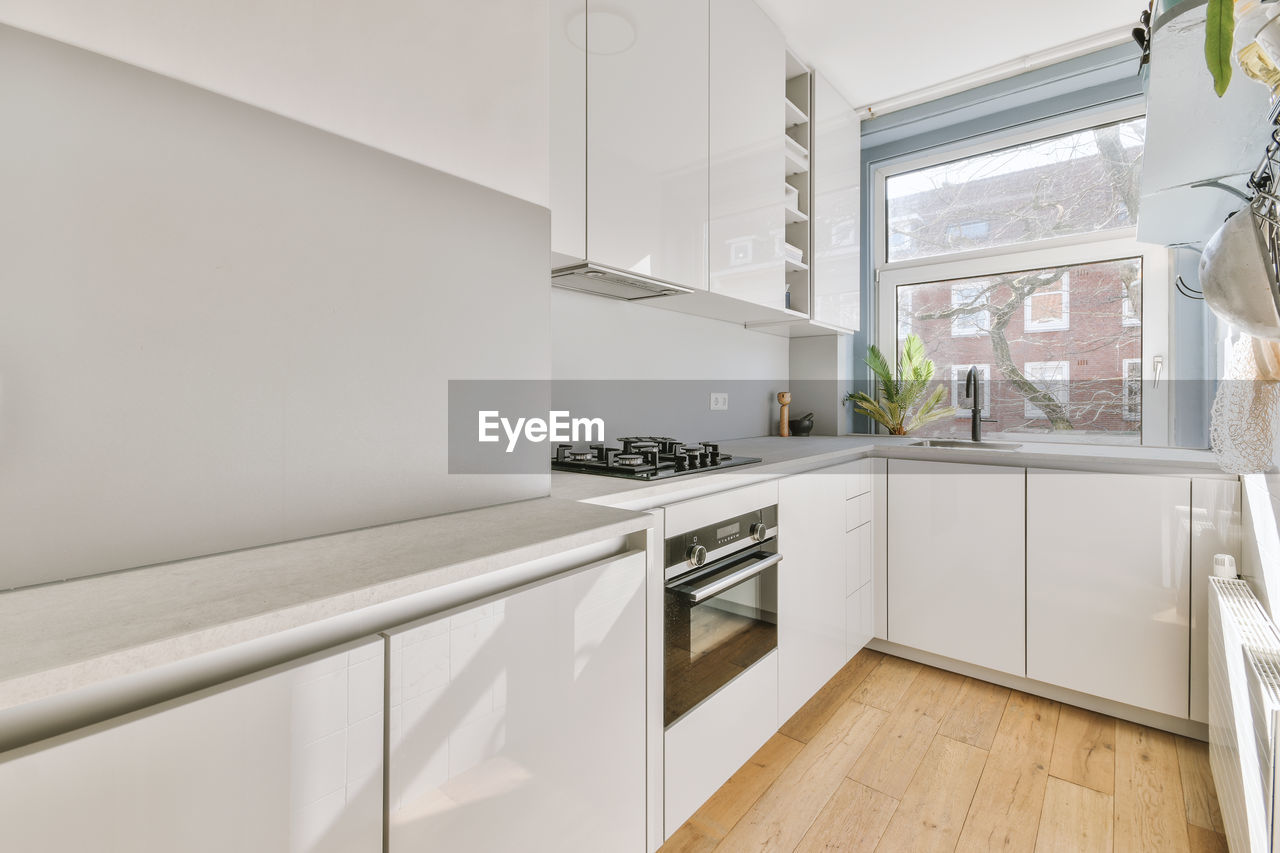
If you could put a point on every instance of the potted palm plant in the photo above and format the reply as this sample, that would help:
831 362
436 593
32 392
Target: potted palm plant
901 404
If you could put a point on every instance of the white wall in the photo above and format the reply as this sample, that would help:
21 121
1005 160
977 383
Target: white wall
682 357
223 328
461 86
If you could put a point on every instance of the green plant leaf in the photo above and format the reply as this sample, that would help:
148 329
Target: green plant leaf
1219 32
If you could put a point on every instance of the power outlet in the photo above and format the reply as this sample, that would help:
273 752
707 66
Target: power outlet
719 402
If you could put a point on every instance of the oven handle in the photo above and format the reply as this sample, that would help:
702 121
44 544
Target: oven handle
699 594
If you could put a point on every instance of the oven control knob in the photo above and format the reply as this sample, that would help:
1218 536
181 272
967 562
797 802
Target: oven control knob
697 556
759 532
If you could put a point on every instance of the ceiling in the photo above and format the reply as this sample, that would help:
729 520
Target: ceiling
874 52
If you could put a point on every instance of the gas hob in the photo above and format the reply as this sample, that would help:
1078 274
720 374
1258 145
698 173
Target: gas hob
645 458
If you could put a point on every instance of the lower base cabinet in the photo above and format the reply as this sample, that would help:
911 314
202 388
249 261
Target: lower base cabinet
1109 586
287 761
812 637
957 561
519 725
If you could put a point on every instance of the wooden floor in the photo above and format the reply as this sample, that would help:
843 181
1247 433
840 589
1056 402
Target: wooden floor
896 756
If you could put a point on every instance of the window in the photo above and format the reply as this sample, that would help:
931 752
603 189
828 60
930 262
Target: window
1132 389
967 315
1018 254
959 372
1050 379
1073 183
1048 309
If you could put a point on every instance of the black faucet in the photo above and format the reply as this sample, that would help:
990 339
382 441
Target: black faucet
973 390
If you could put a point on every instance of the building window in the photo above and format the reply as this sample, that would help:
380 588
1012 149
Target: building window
1023 256
1131 303
1050 378
969 317
1132 389
1048 309
960 372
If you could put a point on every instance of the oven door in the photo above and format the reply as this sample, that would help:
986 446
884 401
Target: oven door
720 619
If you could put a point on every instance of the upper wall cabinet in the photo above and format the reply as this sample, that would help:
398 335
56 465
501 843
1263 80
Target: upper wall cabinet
629 137
1194 136
836 155
748 154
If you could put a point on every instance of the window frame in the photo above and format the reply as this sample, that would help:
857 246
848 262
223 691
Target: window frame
1110 244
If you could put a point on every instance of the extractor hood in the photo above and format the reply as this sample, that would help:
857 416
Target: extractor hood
613 283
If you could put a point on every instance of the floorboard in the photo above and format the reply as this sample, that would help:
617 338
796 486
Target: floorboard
893 756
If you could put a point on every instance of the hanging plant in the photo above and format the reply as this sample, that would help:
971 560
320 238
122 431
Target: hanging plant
1219 34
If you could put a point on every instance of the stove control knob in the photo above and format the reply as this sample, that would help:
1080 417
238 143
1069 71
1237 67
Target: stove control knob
759 532
697 556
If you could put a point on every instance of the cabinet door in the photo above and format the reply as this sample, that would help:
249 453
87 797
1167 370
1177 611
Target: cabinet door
288 761
748 163
835 170
647 82
1109 586
811 586
519 725
957 563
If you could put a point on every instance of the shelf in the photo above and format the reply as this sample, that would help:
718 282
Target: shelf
793 216
797 161
795 266
795 115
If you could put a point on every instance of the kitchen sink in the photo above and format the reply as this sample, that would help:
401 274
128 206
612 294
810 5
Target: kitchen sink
972 445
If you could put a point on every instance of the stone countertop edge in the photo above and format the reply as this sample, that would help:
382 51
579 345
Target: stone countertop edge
63 637
785 456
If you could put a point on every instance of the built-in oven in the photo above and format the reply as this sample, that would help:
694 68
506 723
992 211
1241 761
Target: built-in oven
721 612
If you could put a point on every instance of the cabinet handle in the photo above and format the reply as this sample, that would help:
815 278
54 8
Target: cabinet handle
697 593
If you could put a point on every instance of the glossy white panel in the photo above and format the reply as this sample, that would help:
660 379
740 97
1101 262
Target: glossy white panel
956 561
858 558
858 480
289 761
859 619
399 75
1109 586
747 161
706 746
698 512
857 511
1215 529
880 545
519 725
836 172
568 192
647 138
811 586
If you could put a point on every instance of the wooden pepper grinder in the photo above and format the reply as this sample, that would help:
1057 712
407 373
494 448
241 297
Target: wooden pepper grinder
784 425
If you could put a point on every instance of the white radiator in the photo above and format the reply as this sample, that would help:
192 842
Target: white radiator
1244 704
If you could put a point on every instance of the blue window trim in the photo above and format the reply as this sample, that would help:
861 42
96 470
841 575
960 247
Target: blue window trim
1104 78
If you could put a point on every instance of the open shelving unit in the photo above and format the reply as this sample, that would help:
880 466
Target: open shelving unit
797 186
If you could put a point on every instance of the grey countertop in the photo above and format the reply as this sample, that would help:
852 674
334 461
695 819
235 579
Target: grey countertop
66 636
784 456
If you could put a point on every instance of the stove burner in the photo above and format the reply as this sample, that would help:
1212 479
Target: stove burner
646 457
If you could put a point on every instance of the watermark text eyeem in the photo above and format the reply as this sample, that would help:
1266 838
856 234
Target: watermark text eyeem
558 427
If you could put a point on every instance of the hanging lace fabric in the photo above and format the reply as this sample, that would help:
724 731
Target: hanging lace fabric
1244 429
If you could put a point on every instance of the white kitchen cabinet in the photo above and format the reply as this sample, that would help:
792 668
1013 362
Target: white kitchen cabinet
290 760
811 585
835 173
859 555
519 724
1109 586
956 566
748 160
629 133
